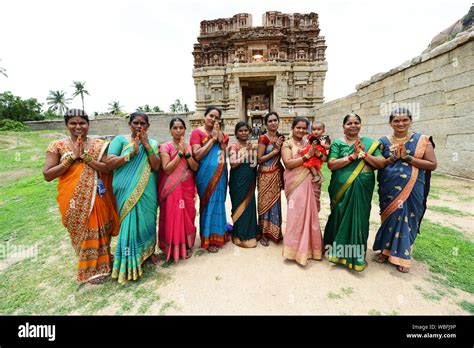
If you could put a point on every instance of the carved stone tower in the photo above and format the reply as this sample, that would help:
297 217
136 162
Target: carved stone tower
247 71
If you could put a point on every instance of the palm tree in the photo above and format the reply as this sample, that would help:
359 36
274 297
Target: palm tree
115 108
58 102
3 71
176 106
80 90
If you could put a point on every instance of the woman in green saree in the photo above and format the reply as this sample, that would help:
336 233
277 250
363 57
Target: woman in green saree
351 160
242 181
135 162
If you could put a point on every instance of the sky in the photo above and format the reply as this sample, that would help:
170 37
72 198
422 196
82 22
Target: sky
140 51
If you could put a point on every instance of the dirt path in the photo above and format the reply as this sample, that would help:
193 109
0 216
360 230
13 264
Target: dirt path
260 281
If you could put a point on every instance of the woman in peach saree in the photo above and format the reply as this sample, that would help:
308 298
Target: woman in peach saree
86 203
302 239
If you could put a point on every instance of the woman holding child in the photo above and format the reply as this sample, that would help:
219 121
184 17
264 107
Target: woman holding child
302 239
352 160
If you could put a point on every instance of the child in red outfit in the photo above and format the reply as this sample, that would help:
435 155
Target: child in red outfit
323 144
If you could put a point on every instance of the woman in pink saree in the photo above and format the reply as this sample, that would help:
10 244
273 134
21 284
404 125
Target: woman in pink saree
302 240
176 194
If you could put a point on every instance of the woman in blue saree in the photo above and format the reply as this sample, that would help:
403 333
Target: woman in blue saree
135 163
209 144
403 189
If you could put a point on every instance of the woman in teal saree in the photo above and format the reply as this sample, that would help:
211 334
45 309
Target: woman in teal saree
351 160
135 163
243 175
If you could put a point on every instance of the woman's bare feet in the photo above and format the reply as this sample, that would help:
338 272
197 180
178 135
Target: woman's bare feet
264 241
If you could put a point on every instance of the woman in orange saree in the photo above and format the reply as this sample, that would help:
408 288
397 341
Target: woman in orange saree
86 203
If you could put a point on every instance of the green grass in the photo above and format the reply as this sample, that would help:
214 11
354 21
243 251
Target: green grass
46 284
337 296
448 253
468 306
448 211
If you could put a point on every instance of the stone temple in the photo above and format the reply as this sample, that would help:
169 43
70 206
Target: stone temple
247 71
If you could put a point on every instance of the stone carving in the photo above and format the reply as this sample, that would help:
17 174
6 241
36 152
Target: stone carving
245 70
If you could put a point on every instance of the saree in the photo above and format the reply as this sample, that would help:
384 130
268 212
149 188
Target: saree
269 185
176 194
403 192
303 238
90 218
211 183
135 189
350 191
244 209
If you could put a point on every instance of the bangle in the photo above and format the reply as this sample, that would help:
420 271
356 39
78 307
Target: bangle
187 155
362 155
87 158
68 161
127 157
305 158
350 158
150 151
180 154
408 158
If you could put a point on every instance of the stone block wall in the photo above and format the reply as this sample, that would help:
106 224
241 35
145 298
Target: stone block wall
113 125
438 87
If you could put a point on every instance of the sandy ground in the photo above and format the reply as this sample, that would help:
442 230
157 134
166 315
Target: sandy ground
261 281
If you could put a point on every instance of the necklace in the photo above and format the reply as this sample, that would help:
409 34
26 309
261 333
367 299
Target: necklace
347 139
404 138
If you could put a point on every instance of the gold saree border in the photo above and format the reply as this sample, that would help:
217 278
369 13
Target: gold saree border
354 175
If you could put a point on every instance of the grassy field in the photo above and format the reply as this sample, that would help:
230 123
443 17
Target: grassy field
45 283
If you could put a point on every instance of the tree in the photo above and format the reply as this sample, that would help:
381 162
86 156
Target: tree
3 71
80 90
176 106
157 109
185 108
58 101
15 108
115 108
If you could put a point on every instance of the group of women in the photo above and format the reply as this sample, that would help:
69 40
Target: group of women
115 189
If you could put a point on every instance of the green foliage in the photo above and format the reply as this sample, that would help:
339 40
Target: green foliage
115 108
11 125
57 101
18 109
177 107
45 283
468 306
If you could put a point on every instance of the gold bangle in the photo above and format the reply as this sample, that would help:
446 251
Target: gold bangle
88 158
67 161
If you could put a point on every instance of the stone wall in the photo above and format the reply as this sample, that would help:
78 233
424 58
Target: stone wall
438 87
113 125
